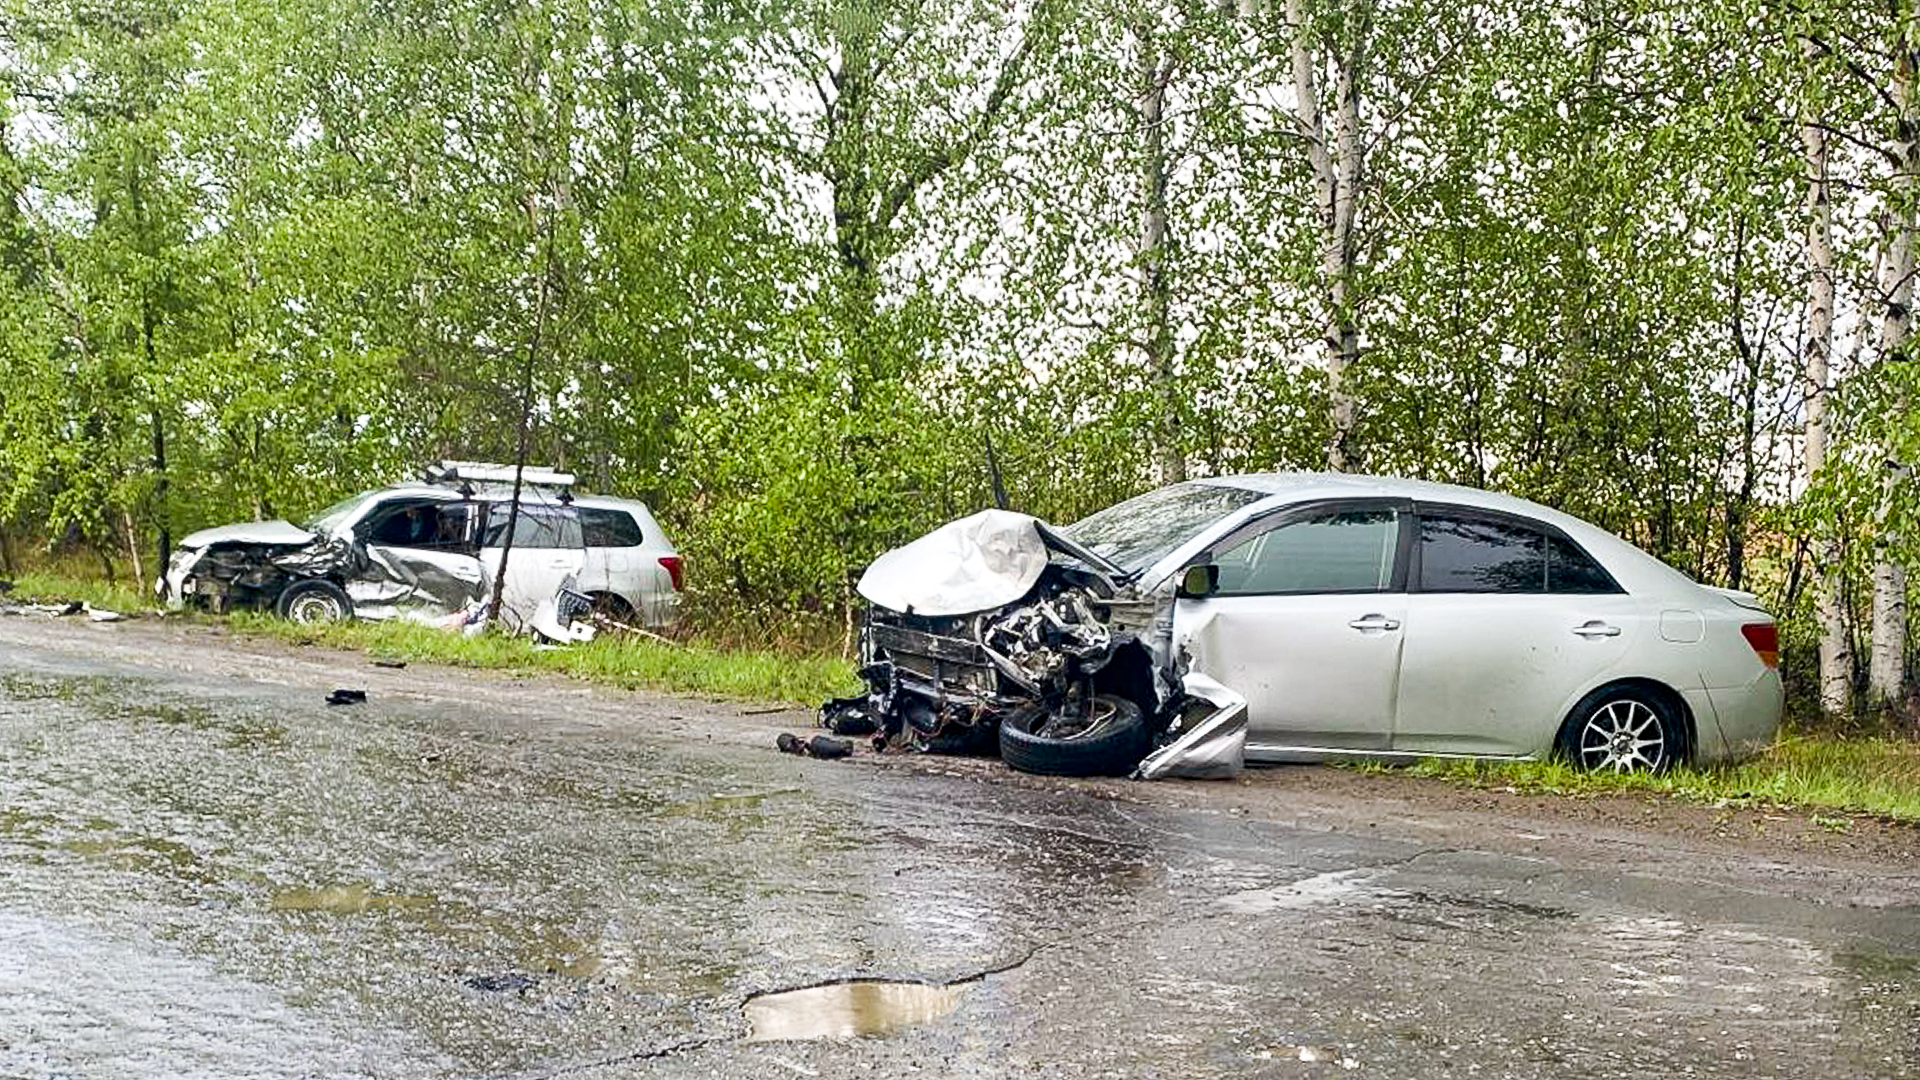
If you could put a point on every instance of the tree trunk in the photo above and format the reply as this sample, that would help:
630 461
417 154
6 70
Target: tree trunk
1334 159
1887 651
1157 290
1836 652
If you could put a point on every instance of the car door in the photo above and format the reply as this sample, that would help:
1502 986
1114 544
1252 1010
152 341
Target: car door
1305 622
420 557
1508 623
548 551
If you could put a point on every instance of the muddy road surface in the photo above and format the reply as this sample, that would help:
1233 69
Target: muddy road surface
206 870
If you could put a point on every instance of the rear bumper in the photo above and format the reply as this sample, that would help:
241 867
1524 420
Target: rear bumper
1739 721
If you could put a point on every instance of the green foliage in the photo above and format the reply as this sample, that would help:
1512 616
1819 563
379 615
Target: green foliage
785 270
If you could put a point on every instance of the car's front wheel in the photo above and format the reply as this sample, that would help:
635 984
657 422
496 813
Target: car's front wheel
1623 729
314 600
1105 736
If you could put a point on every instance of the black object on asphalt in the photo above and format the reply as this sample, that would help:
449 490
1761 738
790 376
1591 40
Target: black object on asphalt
390 663
494 984
347 697
820 746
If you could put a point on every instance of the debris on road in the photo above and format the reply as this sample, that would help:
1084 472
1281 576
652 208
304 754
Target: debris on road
825 747
347 697
496 984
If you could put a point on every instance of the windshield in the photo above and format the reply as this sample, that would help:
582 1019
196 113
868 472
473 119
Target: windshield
329 519
1146 528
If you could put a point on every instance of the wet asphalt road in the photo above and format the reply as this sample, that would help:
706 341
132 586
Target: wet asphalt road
215 874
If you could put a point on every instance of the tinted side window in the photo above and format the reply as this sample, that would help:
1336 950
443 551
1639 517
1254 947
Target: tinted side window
610 528
538 527
1343 551
1460 554
1571 570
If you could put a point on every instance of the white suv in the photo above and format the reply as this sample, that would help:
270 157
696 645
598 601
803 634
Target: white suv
430 551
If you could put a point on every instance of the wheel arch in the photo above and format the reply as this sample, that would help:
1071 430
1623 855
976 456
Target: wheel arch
1670 697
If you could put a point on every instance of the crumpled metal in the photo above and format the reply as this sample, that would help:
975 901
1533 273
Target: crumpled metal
974 564
1213 748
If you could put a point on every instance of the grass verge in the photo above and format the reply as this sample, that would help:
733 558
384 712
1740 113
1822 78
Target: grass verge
35 587
1870 775
757 675
696 667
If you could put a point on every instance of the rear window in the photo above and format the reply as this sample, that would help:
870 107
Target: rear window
1473 555
610 528
1146 528
537 528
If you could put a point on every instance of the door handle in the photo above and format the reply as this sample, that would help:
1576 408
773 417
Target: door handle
1375 622
1596 629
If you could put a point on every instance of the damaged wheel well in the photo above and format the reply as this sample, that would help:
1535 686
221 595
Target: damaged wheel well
1129 674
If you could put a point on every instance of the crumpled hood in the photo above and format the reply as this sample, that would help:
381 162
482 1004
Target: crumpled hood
249 532
974 564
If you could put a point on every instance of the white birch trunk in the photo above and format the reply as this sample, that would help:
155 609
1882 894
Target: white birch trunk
1887 652
1334 160
1836 653
1157 291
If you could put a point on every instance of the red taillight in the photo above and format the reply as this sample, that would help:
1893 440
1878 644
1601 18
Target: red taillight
674 571
1765 639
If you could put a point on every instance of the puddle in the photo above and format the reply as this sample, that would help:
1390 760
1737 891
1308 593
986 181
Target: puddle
845 1010
1329 888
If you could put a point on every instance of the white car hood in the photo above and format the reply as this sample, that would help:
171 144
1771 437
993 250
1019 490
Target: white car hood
249 532
977 563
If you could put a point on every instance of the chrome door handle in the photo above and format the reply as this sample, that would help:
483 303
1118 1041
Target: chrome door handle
1375 622
1596 629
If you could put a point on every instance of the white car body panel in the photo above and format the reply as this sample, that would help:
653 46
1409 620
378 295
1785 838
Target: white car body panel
1308 676
248 532
632 572
1474 662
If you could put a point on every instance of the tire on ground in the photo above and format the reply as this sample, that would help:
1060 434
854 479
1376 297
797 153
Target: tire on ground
1112 745
1642 713
313 600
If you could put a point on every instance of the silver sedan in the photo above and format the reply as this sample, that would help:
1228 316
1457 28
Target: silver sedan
1369 616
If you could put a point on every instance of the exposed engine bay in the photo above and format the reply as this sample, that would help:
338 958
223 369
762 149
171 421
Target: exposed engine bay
997 629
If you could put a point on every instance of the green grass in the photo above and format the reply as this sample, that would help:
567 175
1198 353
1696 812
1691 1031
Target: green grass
798 676
39 586
748 674
1870 775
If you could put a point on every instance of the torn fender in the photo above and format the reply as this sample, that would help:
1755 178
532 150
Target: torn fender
1212 748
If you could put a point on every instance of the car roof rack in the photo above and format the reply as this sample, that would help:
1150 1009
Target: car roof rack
467 473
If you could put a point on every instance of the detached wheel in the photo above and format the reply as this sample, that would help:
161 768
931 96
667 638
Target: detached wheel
1107 738
314 601
1623 729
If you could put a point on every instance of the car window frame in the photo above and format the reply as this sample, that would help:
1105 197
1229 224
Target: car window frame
641 530
1545 529
1282 516
384 506
526 510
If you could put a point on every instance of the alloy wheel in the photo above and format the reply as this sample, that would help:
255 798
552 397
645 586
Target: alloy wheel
1624 735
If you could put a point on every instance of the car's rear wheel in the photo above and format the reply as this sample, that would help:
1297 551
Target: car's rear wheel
314 600
1623 729
1106 736
611 606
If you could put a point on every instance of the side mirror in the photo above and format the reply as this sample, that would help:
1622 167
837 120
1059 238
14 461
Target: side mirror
1199 582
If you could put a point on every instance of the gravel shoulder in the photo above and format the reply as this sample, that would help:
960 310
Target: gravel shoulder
1842 860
